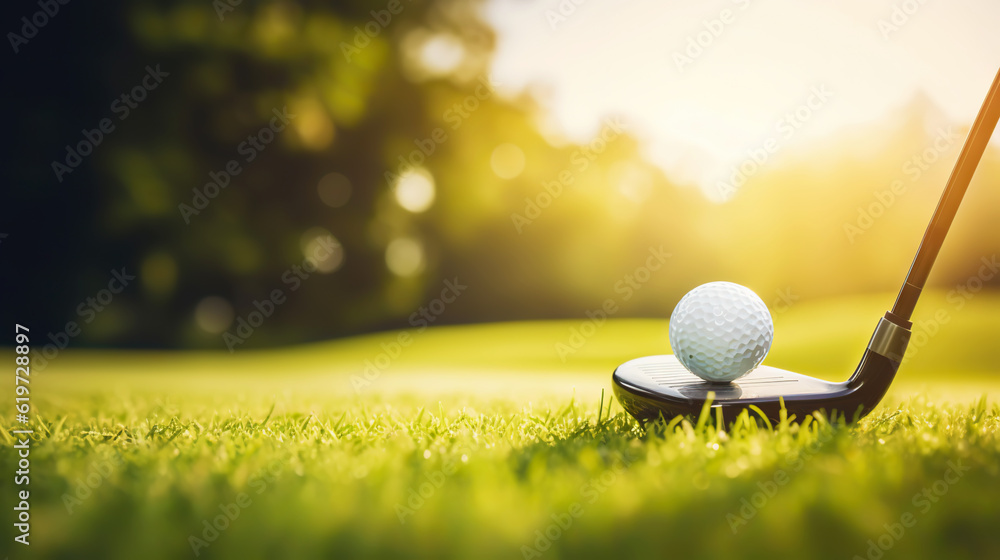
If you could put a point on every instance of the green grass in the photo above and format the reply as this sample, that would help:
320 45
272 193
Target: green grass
506 446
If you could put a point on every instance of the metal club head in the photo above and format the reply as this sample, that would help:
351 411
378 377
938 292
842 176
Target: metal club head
659 385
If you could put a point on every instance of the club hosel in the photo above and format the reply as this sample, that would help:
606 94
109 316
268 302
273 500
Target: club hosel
889 340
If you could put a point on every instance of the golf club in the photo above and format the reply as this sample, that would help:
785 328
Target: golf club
659 385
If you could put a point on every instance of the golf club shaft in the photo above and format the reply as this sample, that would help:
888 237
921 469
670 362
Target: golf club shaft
958 182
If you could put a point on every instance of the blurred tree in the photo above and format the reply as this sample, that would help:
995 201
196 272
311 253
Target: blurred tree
370 134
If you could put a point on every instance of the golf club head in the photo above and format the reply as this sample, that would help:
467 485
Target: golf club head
659 385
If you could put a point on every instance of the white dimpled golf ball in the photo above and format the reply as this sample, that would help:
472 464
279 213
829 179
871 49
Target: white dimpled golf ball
721 331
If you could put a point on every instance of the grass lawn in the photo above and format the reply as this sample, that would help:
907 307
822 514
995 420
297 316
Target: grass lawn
485 442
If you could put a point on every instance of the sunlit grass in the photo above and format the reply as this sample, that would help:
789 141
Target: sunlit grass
342 478
513 449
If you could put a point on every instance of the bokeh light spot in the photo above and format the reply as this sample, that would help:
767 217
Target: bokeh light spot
334 190
312 124
415 190
507 161
405 256
158 272
441 54
214 314
634 182
323 249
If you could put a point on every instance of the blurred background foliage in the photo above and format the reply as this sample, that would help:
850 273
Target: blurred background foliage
336 173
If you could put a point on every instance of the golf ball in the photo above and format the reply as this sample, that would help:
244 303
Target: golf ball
721 331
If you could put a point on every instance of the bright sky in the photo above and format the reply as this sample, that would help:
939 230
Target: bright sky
702 113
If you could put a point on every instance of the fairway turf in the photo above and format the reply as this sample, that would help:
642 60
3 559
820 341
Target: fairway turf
488 479
136 454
